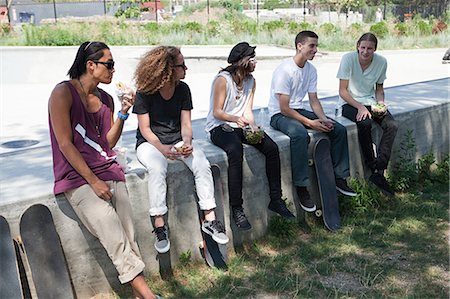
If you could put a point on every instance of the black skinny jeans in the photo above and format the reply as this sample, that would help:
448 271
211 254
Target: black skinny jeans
231 143
389 127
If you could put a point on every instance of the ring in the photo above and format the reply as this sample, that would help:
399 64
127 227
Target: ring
111 190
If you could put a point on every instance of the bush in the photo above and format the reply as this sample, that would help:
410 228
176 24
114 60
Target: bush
328 28
273 25
423 28
193 27
401 29
380 29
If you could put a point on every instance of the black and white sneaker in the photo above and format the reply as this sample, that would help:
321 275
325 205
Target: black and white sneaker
240 219
341 186
216 230
162 243
306 202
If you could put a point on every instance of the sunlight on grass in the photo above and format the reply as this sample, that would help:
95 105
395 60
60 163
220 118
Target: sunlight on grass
408 225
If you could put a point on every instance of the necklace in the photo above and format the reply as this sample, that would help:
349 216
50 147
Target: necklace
97 125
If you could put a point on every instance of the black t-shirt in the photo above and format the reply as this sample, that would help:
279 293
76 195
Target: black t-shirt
165 115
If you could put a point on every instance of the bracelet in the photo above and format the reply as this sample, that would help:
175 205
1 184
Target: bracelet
123 116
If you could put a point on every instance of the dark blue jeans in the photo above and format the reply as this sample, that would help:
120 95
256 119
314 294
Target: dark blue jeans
389 127
299 142
231 143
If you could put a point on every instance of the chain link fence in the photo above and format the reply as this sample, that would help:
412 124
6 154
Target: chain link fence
26 11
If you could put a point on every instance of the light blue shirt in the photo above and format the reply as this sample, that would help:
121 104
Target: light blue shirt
361 85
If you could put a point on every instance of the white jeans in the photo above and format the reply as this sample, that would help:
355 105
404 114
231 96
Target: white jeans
156 165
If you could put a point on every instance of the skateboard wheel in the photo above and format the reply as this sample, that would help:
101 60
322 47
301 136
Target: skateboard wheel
318 213
201 245
310 162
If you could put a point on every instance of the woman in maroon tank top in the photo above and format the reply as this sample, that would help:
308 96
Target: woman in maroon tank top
83 132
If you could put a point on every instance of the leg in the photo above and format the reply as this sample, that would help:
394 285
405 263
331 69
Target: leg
141 289
231 143
156 165
204 184
101 219
339 151
364 128
273 172
273 169
299 140
389 127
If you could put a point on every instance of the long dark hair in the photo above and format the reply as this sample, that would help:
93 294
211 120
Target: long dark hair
239 70
370 37
87 51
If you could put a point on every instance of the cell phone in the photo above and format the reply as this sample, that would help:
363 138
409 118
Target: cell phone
226 127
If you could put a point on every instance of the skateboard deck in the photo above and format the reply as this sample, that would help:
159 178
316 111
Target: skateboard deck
45 254
215 254
327 185
10 286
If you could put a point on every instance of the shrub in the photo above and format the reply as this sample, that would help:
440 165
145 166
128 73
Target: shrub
193 27
273 25
5 29
401 29
328 28
423 28
380 29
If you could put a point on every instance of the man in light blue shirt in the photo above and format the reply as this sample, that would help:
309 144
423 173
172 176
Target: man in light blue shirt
361 76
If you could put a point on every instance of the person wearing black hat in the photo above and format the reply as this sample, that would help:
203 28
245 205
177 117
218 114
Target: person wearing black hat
230 116
291 81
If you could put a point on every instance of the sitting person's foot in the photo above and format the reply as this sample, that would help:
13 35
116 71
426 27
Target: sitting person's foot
341 186
380 181
279 206
162 243
240 219
216 230
306 202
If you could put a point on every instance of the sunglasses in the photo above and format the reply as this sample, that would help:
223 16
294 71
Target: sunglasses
181 65
108 64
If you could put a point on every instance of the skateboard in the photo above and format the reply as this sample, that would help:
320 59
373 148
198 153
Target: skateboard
10 285
329 205
44 253
214 254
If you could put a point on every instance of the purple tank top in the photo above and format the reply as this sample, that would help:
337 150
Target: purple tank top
93 147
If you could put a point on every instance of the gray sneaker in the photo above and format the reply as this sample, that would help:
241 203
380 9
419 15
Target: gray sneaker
216 230
162 243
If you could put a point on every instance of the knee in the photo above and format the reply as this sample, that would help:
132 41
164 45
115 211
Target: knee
301 136
365 124
393 126
340 130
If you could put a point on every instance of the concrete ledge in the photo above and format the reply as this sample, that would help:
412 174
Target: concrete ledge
423 108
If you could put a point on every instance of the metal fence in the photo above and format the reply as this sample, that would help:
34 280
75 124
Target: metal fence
260 10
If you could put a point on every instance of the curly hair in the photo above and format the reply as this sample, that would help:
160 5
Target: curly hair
155 69
239 70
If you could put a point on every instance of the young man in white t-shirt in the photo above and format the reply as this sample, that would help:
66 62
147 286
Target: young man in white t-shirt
361 76
291 81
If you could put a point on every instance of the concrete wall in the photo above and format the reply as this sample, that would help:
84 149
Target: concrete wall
90 267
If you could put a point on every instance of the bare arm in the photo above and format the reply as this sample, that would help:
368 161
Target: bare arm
248 114
379 93
363 113
117 126
186 132
59 106
220 93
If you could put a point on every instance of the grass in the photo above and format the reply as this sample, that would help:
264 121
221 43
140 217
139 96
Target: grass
395 248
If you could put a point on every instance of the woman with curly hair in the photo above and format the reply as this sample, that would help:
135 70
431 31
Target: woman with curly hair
230 113
163 107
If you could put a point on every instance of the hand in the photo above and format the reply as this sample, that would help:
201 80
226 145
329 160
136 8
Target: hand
363 113
186 150
242 122
127 100
168 151
102 190
321 125
329 123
